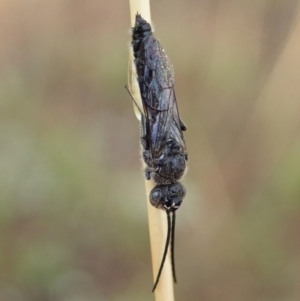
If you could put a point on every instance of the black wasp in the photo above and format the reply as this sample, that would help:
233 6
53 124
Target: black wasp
164 150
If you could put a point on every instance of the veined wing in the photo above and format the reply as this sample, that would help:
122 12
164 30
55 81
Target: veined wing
156 81
177 127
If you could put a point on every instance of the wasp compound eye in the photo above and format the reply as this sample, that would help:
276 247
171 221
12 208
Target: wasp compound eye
156 197
176 190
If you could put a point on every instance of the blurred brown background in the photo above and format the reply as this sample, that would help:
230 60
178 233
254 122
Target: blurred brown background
73 221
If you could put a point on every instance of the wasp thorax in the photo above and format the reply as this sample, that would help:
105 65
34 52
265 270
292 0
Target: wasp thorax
170 169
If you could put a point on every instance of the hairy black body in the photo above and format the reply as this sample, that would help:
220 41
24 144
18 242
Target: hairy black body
164 150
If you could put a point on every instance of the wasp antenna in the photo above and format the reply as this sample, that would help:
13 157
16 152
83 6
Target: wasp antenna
173 245
165 252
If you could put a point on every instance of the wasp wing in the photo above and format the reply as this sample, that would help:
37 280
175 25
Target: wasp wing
156 81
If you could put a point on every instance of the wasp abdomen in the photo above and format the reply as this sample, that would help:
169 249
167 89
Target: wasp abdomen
140 31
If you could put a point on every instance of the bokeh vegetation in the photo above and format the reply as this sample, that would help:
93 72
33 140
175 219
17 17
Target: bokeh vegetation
73 219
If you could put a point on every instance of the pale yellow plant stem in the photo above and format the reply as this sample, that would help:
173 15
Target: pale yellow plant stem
157 218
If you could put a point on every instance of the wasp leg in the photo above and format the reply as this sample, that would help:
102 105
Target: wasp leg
182 125
143 133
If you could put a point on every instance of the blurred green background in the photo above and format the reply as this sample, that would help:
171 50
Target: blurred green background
73 220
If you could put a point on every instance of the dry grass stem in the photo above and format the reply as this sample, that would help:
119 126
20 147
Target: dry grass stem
157 218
